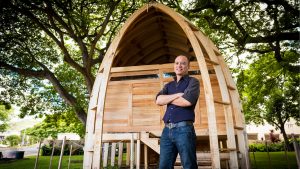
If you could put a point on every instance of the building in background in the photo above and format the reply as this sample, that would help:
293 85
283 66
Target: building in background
261 132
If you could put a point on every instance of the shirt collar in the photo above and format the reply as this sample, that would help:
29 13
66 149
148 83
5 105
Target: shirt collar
185 78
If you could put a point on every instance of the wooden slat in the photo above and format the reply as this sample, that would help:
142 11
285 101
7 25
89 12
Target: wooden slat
138 154
135 68
122 74
237 107
113 154
211 62
145 156
226 72
128 154
238 128
119 136
105 154
116 116
122 122
120 104
120 155
161 108
132 152
148 67
222 102
243 148
129 82
131 128
130 117
231 87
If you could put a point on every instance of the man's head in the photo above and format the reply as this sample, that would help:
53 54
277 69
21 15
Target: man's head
181 65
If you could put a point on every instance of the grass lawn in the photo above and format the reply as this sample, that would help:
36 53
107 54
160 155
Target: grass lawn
44 161
277 160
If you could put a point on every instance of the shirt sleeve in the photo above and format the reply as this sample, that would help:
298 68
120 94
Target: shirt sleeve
164 91
191 93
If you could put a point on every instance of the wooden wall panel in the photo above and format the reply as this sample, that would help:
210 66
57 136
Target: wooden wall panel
130 104
117 106
202 120
145 111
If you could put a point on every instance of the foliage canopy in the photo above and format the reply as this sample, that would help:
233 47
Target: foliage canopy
270 93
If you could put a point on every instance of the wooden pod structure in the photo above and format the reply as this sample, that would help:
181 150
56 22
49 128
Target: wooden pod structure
139 62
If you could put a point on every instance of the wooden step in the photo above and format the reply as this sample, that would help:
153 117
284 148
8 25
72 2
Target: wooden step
204 162
199 167
153 143
200 162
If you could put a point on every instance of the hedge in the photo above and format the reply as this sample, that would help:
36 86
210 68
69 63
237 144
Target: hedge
46 150
271 147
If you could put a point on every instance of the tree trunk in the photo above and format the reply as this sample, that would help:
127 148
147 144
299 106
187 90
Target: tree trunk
286 140
81 114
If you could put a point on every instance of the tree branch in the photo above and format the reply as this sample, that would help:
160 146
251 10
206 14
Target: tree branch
49 10
103 27
86 57
258 51
67 56
40 74
47 74
273 38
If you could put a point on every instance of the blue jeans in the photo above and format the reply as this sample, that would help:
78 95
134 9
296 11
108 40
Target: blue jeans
180 140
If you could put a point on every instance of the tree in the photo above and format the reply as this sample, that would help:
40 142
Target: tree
50 51
57 123
270 93
254 26
5 110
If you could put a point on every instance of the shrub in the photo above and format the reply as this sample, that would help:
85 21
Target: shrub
13 140
46 150
262 147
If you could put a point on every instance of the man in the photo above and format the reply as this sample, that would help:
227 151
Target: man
178 135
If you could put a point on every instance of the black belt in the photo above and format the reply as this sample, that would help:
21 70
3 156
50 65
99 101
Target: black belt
179 124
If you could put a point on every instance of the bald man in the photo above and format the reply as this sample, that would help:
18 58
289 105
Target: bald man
178 136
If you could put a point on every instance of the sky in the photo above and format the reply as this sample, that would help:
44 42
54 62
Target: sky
17 124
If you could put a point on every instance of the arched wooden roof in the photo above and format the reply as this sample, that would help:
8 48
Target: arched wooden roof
155 35
153 38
